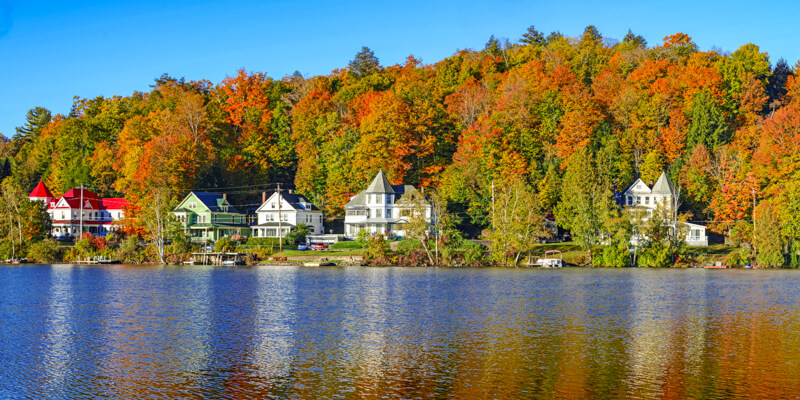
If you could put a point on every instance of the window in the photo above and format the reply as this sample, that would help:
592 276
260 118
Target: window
638 200
630 200
284 217
646 200
214 217
192 206
377 213
380 198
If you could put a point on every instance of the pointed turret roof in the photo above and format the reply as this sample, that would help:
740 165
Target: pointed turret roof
380 184
663 185
41 192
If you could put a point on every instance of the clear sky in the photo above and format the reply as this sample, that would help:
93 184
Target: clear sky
54 50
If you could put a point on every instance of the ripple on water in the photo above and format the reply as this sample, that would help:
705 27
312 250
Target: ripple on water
285 332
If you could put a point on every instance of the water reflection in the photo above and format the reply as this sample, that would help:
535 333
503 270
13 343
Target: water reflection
288 332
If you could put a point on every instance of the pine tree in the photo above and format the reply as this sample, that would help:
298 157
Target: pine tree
365 63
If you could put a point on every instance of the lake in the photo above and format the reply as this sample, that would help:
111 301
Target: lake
291 332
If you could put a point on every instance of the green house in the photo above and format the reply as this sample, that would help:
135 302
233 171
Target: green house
207 217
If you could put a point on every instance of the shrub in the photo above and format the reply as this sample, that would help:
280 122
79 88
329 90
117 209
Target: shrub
408 246
474 256
224 245
363 238
738 258
47 250
297 235
129 251
378 252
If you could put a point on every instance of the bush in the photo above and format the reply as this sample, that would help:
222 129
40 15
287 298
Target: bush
363 238
408 246
47 250
224 245
738 258
378 252
129 251
298 235
474 256
616 256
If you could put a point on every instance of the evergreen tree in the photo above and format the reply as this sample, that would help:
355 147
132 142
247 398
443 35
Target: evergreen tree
776 86
35 120
492 46
635 40
768 235
532 37
365 63
708 125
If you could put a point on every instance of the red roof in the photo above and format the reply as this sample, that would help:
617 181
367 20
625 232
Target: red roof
76 193
41 191
90 200
114 203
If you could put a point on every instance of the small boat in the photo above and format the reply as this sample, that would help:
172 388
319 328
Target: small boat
552 259
232 262
319 264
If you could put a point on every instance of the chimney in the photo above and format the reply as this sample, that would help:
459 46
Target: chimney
263 197
225 196
650 183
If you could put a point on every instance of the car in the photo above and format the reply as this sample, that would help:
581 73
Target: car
320 246
302 246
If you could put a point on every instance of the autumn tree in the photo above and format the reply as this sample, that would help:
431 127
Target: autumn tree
517 222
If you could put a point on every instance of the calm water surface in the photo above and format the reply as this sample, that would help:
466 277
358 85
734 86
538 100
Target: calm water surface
286 332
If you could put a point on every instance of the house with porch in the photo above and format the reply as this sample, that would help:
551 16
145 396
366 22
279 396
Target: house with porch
383 208
207 217
283 212
646 198
80 210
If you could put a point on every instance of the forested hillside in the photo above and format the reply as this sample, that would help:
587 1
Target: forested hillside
563 115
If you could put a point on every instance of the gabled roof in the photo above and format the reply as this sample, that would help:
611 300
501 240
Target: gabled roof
399 191
663 185
380 184
297 201
213 202
76 193
41 191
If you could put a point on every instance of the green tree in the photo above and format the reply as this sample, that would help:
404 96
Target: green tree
789 211
635 40
769 250
35 121
517 222
585 200
532 37
365 63
708 125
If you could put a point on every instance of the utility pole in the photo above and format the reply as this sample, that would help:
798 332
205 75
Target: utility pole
80 210
280 224
755 252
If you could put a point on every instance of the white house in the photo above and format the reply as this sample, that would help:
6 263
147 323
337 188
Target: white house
647 198
382 208
96 215
290 209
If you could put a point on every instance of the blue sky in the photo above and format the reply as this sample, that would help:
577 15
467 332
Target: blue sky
54 50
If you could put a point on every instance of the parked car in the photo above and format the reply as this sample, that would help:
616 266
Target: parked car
302 246
320 246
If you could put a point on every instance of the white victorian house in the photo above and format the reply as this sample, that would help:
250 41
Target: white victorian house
285 211
382 208
647 198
